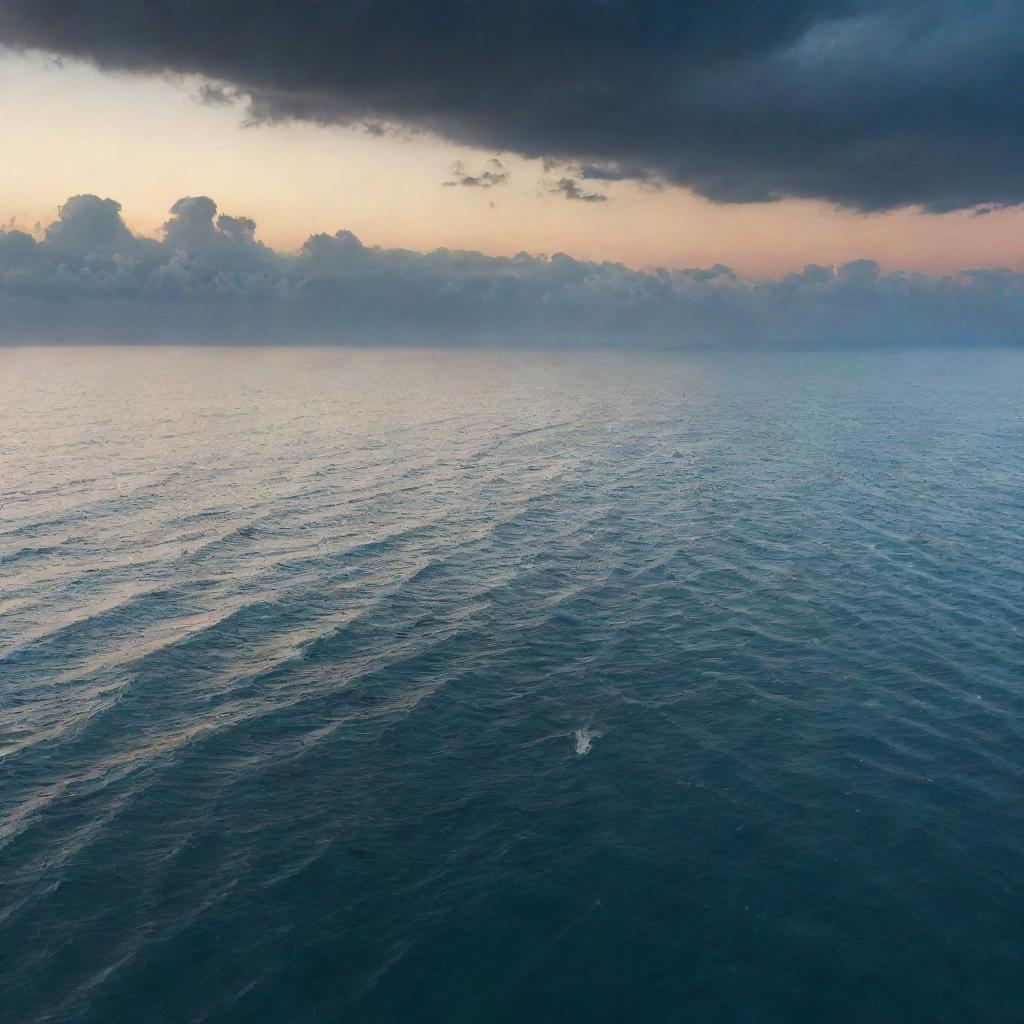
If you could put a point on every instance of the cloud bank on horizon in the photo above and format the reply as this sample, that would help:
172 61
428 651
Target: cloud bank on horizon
872 104
89 279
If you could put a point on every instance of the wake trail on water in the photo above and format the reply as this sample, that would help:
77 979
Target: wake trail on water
584 740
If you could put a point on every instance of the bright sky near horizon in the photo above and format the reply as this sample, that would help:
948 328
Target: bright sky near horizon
147 140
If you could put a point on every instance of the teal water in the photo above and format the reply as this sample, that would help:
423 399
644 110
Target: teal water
474 686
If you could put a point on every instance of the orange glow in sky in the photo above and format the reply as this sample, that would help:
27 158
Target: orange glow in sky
68 129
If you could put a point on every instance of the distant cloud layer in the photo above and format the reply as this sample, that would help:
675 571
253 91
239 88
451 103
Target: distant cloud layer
868 103
89 279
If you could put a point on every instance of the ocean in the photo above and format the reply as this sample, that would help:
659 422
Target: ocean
486 686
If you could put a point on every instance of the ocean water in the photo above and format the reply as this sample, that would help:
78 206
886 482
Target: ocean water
427 686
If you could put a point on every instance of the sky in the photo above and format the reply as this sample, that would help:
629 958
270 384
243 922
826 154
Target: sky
759 136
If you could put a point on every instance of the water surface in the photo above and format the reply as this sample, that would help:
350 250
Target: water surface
469 686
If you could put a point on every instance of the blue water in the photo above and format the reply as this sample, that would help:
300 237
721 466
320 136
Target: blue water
486 687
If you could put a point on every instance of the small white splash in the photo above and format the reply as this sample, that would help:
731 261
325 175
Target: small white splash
584 740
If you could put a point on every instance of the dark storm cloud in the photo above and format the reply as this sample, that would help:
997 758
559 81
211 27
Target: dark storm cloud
208 279
611 172
495 174
868 103
568 188
214 95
